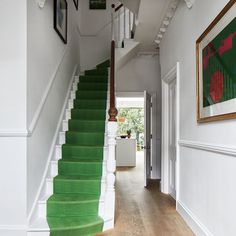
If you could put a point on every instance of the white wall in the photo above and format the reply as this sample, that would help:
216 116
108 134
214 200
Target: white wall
13 65
13 117
206 179
139 74
51 64
95 34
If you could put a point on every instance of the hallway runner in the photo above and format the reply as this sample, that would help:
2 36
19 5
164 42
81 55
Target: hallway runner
72 210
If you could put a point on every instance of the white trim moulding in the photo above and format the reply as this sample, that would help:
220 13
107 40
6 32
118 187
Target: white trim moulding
41 3
189 3
225 150
14 133
166 20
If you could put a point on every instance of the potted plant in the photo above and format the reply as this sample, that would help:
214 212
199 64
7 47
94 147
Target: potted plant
128 133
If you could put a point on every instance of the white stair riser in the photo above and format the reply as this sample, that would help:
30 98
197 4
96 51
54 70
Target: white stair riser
77 79
42 209
74 88
49 186
65 126
58 152
62 138
72 95
68 114
54 168
70 104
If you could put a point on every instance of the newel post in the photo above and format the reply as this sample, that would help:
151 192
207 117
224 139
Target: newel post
110 178
111 135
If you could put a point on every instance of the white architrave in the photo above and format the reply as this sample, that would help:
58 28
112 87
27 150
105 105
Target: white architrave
41 3
173 74
189 3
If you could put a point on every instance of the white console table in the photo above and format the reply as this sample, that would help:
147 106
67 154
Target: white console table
126 152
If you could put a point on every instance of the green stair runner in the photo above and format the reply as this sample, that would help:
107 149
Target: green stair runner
72 210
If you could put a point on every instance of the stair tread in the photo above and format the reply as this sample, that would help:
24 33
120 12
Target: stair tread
84 132
63 223
73 160
93 91
75 178
73 197
74 206
88 121
94 76
90 100
83 146
89 109
96 83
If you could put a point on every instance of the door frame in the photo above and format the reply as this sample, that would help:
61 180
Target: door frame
155 173
147 136
173 74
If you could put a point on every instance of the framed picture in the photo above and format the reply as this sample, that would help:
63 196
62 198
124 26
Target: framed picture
97 4
216 68
60 18
76 2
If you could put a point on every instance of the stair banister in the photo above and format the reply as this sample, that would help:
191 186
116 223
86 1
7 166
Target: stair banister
112 110
109 210
119 7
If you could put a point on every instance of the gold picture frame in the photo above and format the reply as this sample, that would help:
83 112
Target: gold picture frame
216 71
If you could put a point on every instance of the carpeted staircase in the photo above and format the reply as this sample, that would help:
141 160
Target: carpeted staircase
72 210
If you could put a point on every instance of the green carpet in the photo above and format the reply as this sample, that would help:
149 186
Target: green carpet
72 210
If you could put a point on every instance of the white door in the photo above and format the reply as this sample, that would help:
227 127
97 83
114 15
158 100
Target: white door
172 139
147 138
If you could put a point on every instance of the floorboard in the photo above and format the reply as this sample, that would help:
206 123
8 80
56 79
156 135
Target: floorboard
144 211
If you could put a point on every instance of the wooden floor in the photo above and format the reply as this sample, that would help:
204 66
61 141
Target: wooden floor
144 211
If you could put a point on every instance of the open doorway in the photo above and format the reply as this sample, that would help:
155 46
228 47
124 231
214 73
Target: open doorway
130 140
134 135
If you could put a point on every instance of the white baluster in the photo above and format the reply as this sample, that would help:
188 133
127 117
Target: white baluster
112 23
119 33
124 23
129 24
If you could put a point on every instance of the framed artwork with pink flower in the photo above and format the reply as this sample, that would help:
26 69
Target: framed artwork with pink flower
216 68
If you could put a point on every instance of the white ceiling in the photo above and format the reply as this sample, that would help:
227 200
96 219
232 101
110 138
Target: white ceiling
153 19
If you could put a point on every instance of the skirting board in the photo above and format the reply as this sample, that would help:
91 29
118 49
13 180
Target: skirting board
193 222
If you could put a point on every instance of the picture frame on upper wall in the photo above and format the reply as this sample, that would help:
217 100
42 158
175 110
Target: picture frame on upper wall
76 2
97 4
216 68
61 18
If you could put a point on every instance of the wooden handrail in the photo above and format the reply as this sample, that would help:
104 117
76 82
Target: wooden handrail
119 7
112 110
